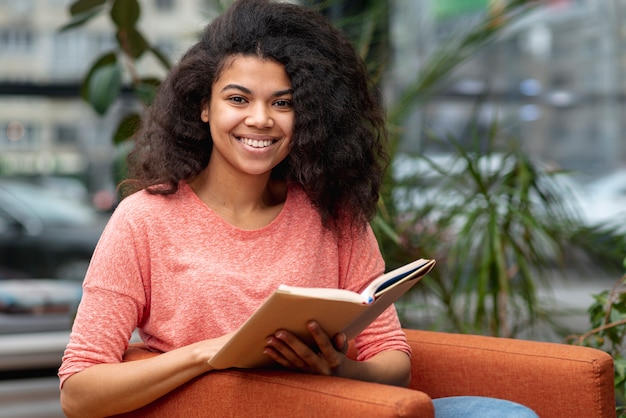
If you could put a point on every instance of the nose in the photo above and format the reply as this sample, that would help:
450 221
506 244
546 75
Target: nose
260 116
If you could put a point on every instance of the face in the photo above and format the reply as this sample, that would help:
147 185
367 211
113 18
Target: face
250 115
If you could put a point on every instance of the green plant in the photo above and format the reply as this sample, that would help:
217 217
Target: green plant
103 83
607 316
496 219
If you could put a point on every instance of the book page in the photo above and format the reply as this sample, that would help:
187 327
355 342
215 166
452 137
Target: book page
323 293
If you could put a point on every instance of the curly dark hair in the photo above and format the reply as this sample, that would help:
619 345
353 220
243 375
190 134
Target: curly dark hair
338 146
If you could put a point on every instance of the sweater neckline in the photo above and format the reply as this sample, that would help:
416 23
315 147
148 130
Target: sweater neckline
187 190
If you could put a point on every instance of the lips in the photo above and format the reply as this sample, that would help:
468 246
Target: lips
256 143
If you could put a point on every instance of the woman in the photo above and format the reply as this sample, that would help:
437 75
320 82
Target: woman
259 163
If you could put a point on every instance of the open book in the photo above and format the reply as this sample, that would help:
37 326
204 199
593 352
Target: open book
336 310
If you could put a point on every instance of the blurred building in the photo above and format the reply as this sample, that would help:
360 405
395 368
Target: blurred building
556 79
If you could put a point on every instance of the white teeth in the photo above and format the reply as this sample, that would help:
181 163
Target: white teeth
256 143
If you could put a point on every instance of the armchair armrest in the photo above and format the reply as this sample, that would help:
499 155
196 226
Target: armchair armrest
268 393
555 380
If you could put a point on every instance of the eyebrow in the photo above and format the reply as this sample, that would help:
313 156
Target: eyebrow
248 91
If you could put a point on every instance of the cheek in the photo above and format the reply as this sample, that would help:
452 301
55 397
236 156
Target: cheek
287 124
223 119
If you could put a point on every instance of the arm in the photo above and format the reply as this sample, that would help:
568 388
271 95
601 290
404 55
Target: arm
115 301
389 367
265 392
108 389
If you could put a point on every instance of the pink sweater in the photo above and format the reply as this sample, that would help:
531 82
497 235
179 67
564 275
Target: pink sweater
172 268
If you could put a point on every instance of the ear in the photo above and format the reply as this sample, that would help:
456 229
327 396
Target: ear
204 111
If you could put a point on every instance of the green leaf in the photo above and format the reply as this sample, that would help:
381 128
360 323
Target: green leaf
620 365
384 228
127 128
125 13
615 315
104 60
132 42
79 20
103 86
82 6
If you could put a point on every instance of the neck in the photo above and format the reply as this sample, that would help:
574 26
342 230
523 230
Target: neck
248 202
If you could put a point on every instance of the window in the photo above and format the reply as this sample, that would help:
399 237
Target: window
75 51
16 40
65 134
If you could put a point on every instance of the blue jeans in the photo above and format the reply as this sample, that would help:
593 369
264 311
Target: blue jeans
479 407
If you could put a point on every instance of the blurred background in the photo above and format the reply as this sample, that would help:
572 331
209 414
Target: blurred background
553 78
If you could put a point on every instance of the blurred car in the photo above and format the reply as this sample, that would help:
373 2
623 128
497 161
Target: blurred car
44 234
36 317
30 305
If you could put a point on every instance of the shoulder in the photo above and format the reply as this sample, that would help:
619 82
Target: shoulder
143 202
147 210
301 210
345 225
305 218
297 196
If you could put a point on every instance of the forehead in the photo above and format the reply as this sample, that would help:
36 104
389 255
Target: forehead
251 66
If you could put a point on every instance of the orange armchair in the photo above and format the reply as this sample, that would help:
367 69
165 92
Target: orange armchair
556 380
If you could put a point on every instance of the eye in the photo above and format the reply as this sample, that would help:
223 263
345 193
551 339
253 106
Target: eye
283 103
237 99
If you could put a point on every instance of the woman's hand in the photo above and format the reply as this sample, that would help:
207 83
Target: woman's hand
290 352
389 367
208 348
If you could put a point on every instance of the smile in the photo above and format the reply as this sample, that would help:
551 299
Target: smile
256 143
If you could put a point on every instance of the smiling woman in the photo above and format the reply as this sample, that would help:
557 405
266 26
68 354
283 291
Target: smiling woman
259 164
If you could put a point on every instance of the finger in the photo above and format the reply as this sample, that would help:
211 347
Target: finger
331 356
278 358
320 337
290 349
340 342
